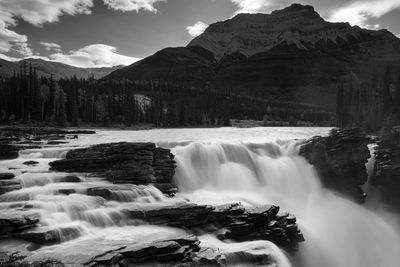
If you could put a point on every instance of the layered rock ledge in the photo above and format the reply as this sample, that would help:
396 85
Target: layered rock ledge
387 168
13 139
230 221
124 163
340 160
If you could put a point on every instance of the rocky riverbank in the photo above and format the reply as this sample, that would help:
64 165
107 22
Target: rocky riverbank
340 160
387 168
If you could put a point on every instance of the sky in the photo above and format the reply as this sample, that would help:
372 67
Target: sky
105 33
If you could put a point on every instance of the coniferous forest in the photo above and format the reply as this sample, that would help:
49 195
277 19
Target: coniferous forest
26 97
372 104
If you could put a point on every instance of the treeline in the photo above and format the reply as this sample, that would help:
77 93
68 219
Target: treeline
373 104
28 98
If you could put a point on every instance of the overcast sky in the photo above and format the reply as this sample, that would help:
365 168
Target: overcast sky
99 33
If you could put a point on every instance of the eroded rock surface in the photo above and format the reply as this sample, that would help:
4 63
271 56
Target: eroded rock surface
124 163
387 168
231 221
340 160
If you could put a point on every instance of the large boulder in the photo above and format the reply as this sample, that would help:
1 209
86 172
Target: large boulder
340 160
124 163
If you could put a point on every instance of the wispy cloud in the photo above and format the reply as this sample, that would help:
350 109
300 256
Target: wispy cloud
39 12
36 12
197 29
93 56
356 12
132 5
51 46
359 12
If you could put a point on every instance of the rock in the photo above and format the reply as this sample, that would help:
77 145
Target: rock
9 185
171 251
15 221
340 160
8 152
6 176
124 163
71 179
56 142
239 223
47 235
30 163
387 169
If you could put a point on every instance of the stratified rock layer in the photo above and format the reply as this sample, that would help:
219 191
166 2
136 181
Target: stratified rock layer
387 169
231 221
124 163
340 160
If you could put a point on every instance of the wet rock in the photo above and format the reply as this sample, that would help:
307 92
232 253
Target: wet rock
124 163
166 252
71 179
56 142
340 160
30 162
231 221
15 221
387 168
66 191
9 185
6 176
8 152
46 235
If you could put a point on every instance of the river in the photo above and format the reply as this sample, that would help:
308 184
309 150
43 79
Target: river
220 165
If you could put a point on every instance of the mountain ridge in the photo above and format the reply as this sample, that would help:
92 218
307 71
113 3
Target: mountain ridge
57 69
291 54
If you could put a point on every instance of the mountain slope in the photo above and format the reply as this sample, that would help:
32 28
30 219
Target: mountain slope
291 54
57 69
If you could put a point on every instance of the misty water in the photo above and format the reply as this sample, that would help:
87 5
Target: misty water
222 165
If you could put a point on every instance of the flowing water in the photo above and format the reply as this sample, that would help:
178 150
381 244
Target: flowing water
225 165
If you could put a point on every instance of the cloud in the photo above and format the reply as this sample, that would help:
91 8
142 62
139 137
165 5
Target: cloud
359 12
197 29
93 56
51 46
36 12
356 12
254 6
130 5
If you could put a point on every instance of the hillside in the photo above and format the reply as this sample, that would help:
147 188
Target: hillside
289 55
57 69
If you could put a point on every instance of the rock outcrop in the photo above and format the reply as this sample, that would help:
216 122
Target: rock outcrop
231 221
124 163
387 168
13 139
15 221
340 160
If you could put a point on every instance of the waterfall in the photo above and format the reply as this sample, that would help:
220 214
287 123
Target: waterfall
338 232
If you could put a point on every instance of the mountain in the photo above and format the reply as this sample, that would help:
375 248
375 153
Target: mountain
57 69
289 55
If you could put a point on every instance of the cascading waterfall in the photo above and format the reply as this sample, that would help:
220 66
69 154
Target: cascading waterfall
338 232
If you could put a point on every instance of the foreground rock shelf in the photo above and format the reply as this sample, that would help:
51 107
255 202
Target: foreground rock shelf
340 160
122 163
230 221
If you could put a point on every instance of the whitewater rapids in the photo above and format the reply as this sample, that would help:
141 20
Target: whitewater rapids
243 167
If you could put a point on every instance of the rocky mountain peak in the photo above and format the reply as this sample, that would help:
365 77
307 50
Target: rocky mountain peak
297 26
